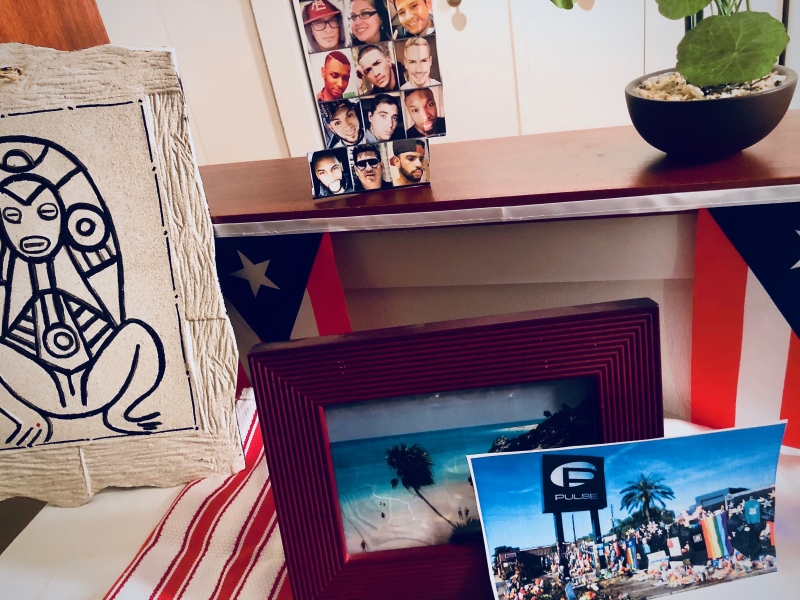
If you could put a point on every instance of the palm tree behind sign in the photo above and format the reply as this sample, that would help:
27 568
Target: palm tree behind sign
645 492
414 469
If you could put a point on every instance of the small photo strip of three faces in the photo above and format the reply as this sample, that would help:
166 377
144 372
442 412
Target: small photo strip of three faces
368 167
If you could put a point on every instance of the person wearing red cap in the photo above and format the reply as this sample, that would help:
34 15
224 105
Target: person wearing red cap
324 27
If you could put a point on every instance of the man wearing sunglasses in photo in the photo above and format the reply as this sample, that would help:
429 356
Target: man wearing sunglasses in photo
323 25
369 168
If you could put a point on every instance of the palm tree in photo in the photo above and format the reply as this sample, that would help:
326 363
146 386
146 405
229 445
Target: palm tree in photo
414 469
646 492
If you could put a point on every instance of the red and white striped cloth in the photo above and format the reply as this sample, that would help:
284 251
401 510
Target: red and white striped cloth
745 357
219 540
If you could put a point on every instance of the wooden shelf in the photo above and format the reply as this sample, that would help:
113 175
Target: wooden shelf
533 169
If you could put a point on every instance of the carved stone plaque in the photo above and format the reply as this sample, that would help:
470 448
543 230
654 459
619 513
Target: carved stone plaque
117 361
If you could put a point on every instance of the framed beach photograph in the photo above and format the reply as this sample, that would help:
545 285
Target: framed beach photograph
634 520
366 434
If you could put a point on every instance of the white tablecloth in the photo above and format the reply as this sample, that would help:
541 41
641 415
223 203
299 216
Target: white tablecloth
78 553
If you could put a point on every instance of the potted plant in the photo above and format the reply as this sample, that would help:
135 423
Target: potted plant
725 93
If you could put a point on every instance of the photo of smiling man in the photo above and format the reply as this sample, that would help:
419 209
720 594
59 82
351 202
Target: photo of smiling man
409 162
369 168
332 75
330 174
383 117
418 57
424 111
343 124
412 17
376 69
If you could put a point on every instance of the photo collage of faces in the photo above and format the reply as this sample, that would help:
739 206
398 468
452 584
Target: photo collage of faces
374 69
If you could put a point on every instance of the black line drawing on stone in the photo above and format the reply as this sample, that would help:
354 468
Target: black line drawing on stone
67 350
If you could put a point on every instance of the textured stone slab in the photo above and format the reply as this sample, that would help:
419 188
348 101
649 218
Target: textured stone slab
117 360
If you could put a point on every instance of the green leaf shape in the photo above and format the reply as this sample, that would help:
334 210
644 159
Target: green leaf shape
678 9
568 4
731 49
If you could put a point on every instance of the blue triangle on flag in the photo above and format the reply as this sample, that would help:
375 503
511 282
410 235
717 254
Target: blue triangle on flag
767 236
265 277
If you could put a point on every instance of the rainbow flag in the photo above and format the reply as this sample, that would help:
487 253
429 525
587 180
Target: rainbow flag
715 532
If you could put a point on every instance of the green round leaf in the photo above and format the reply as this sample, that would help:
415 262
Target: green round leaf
734 49
678 9
568 4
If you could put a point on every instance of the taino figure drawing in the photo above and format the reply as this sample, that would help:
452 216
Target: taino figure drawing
67 350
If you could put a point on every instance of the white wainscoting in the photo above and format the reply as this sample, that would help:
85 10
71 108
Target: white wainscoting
232 110
517 67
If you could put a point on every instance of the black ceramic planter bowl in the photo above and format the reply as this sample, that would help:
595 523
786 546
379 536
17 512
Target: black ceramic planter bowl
701 130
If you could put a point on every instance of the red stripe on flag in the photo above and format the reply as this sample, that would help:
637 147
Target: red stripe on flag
720 279
254 559
151 541
790 405
282 586
242 381
197 539
177 585
205 519
258 527
326 293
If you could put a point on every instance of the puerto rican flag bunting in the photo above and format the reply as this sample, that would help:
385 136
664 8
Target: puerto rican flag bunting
746 316
220 538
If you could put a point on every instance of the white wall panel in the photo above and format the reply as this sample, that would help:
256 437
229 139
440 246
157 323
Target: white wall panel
421 276
477 66
376 308
662 36
608 249
232 110
287 68
578 62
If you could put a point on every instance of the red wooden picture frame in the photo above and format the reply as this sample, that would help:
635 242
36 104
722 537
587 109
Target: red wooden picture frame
616 344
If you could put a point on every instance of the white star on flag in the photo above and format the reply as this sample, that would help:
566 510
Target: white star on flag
255 274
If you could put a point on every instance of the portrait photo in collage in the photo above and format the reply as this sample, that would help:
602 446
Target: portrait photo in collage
374 70
369 167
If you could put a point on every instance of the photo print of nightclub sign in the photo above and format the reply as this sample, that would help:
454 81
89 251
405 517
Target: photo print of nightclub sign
374 71
573 483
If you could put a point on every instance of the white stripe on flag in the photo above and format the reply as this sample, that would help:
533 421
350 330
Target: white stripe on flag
305 325
765 351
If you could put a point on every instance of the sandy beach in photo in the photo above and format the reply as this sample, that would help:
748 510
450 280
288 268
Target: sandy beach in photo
409 522
388 518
